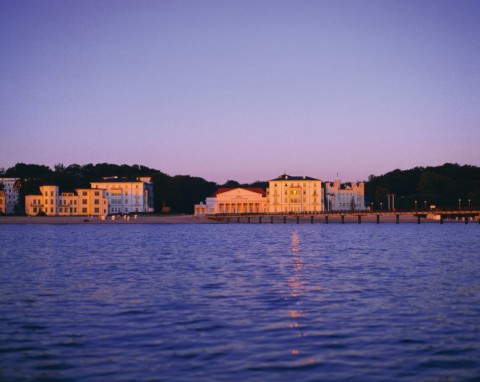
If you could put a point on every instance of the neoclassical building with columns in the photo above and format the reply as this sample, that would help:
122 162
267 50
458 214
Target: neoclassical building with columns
234 200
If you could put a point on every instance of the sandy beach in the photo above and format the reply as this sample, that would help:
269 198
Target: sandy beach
174 219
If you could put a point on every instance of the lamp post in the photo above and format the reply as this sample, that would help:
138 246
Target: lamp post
415 206
425 203
469 205
381 205
459 205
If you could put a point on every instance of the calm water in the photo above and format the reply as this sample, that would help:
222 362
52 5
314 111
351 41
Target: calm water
240 302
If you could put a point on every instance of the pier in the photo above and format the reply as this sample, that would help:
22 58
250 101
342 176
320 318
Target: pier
357 217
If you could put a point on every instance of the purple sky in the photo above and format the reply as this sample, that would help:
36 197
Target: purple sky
241 90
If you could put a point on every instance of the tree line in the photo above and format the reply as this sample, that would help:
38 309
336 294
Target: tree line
179 192
448 186
442 186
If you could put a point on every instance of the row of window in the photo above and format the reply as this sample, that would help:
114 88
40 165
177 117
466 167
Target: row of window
295 185
67 210
295 200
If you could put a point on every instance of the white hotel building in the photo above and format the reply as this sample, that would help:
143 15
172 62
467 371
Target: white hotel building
344 196
127 195
11 193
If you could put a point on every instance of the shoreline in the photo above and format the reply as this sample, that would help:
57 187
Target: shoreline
62 220
191 219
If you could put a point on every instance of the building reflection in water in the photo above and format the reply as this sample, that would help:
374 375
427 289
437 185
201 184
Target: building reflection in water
297 287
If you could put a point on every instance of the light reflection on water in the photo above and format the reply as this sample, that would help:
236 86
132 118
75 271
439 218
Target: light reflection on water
238 302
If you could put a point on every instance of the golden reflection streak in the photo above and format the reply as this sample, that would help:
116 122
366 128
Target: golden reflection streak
297 286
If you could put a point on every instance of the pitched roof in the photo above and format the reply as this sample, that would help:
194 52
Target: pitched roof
221 190
289 177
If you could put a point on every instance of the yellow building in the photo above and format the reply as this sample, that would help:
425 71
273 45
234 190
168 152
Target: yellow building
84 201
3 204
297 194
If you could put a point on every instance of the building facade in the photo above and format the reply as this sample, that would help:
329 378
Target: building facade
127 195
84 201
234 200
2 203
11 193
297 194
344 196
287 194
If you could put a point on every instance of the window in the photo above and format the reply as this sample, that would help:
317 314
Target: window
96 201
84 193
97 193
96 210
84 201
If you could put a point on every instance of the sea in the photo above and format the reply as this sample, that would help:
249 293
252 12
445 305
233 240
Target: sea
239 302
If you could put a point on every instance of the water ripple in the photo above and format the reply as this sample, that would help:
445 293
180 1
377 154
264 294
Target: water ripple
238 302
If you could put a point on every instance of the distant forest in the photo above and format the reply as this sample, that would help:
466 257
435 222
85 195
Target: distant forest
442 186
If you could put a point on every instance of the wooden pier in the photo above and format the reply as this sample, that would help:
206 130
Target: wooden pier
358 217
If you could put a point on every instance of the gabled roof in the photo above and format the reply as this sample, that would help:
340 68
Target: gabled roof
221 190
289 177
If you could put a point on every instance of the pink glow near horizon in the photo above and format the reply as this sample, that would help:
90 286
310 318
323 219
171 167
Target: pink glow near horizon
241 90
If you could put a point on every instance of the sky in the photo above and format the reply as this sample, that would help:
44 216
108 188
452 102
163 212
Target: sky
244 90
